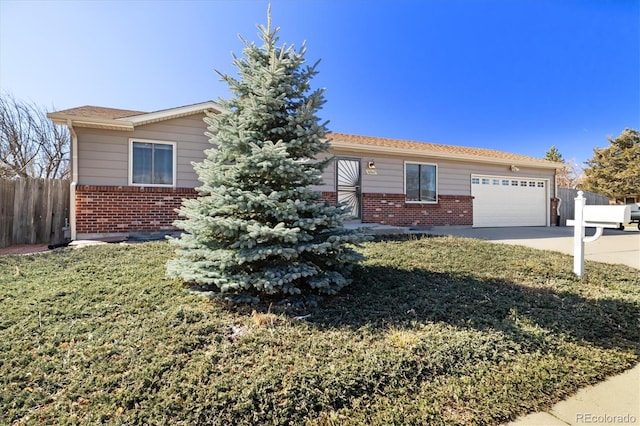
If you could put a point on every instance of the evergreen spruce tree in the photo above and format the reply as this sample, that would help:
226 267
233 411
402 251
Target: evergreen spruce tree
553 155
257 227
567 176
615 171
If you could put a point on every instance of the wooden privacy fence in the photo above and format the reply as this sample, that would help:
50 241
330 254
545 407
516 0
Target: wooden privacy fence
33 211
567 206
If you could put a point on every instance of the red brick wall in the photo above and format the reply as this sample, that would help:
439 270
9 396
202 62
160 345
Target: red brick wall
391 209
125 209
329 196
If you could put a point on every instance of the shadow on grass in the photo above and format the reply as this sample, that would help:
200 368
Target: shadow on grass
381 297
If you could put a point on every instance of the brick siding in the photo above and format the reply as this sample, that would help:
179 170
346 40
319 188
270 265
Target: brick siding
329 197
392 209
127 209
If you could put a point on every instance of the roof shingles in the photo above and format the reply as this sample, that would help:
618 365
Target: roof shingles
431 147
355 140
99 112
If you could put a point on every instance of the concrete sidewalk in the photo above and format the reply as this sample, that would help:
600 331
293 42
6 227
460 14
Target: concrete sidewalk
616 401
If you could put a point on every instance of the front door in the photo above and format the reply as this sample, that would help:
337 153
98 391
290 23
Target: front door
348 184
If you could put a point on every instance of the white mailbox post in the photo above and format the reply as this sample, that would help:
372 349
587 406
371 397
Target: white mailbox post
598 217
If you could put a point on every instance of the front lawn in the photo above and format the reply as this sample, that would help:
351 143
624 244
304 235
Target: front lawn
433 331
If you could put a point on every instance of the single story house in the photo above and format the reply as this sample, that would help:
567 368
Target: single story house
131 170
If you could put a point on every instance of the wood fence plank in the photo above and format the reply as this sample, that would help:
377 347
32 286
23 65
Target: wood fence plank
33 211
47 211
7 195
20 210
60 210
567 195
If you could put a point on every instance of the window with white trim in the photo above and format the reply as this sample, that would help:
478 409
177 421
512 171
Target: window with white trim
421 182
152 163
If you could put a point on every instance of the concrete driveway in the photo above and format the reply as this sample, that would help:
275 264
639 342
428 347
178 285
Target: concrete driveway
618 247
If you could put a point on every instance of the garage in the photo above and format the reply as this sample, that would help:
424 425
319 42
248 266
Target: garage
508 201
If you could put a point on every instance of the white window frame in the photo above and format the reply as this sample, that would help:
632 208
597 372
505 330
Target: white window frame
174 164
404 182
539 180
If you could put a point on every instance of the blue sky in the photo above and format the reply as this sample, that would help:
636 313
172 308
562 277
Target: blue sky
517 76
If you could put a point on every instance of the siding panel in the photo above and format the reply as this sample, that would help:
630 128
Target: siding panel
454 176
104 154
328 178
104 158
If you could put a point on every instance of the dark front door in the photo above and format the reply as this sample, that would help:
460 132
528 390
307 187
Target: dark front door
348 184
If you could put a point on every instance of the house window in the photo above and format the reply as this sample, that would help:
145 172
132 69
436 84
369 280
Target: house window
421 182
152 163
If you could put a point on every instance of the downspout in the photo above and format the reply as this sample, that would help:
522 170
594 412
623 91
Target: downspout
555 195
74 179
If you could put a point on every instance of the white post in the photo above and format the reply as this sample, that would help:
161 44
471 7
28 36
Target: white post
578 235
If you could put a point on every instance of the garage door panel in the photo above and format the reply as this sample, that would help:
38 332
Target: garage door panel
500 201
506 219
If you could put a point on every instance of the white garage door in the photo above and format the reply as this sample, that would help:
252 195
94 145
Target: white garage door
506 201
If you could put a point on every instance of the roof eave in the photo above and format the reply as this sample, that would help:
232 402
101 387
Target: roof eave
131 122
434 154
92 122
168 114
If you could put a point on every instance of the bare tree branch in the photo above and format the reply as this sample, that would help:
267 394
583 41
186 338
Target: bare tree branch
31 145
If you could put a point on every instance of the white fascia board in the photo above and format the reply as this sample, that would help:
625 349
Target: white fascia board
99 123
167 114
433 154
